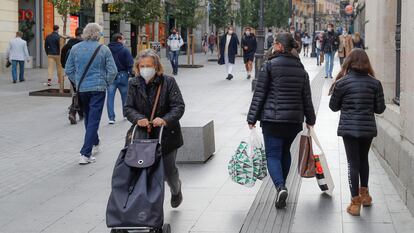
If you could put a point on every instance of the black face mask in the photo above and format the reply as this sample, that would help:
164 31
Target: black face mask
174 33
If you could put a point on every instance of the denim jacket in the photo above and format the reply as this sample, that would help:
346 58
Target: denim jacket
102 71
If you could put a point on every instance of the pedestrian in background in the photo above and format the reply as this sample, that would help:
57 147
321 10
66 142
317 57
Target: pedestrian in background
74 107
345 46
249 45
329 47
91 83
228 51
269 39
204 43
281 101
359 96
319 52
306 40
175 41
16 54
124 63
142 93
296 35
52 48
358 41
212 41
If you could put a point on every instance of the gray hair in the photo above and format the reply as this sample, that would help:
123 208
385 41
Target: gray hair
92 31
149 53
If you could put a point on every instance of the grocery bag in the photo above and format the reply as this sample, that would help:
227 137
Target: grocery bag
306 165
248 162
323 174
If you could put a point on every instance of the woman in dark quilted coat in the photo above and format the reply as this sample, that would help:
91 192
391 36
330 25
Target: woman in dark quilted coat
281 101
142 93
359 96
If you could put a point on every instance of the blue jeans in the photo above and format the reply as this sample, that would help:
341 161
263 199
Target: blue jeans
14 70
318 54
329 63
174 60
278 158
120 83
92 105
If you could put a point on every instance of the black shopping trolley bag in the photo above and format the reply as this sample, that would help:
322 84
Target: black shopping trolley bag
137 195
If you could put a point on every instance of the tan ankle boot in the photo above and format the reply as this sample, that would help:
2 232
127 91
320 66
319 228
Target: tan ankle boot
355 207
366 199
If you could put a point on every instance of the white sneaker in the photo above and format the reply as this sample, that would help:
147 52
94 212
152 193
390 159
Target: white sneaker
111 122
83 160
95 149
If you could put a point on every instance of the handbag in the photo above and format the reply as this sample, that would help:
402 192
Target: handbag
8 64
306 165
143 153
76 98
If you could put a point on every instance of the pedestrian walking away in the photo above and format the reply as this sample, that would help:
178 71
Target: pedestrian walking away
52 49
306 41
174 41
124 63
329 47
269 39
249 45
228 51
16 54
359 96
358 41
212 41
345 46
92 68
142 91
74 107
204 43
281 101
319 52
296 35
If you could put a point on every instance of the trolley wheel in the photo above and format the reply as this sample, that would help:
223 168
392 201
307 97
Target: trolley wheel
166 228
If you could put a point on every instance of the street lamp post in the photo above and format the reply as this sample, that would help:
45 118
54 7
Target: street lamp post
260 45
313 54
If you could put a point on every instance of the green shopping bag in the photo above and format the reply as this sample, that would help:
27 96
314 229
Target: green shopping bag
248 163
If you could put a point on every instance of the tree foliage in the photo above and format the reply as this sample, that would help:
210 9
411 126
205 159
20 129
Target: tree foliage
276 13
138 12
187 13
66 7
220 13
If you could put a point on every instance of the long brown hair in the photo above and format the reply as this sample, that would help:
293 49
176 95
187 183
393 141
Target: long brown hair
358 61
357 37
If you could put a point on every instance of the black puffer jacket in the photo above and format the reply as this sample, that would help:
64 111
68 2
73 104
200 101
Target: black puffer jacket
283 93
171 108
358 96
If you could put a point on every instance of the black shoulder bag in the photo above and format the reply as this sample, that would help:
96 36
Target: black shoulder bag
76 100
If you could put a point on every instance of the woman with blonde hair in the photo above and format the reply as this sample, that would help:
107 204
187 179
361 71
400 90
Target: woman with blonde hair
358 41
359 96
142 91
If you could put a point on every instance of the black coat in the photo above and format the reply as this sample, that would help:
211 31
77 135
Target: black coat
232 50
251 44
66 50
170 108
282 93
330 42
358 96
52 44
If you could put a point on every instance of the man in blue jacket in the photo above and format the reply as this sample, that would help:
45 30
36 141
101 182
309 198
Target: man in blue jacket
124 62
52 49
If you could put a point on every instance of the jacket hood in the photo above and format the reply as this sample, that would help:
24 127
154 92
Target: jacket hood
115 46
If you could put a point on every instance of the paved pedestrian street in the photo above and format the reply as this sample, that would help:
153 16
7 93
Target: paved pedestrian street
43 189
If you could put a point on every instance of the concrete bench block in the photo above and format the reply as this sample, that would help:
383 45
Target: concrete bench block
199 142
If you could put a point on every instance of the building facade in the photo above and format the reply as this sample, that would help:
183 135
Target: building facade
389 31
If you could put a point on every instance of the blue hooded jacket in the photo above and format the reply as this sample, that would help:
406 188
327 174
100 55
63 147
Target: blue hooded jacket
123 58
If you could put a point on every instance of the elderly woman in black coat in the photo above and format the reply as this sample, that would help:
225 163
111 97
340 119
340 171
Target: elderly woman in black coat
142 93
359 96
281 102
228 51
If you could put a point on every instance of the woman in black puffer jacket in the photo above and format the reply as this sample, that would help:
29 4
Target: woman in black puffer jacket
359 96
281 101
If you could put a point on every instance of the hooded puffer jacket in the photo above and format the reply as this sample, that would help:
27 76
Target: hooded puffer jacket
282 93
358 96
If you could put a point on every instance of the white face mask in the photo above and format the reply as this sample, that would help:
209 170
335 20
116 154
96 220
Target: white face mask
248 33
230 32
147 73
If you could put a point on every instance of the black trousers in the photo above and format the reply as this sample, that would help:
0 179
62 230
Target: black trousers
357 150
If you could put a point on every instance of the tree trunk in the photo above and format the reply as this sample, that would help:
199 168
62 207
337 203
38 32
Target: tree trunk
192 48
62 42
188 45
218 44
